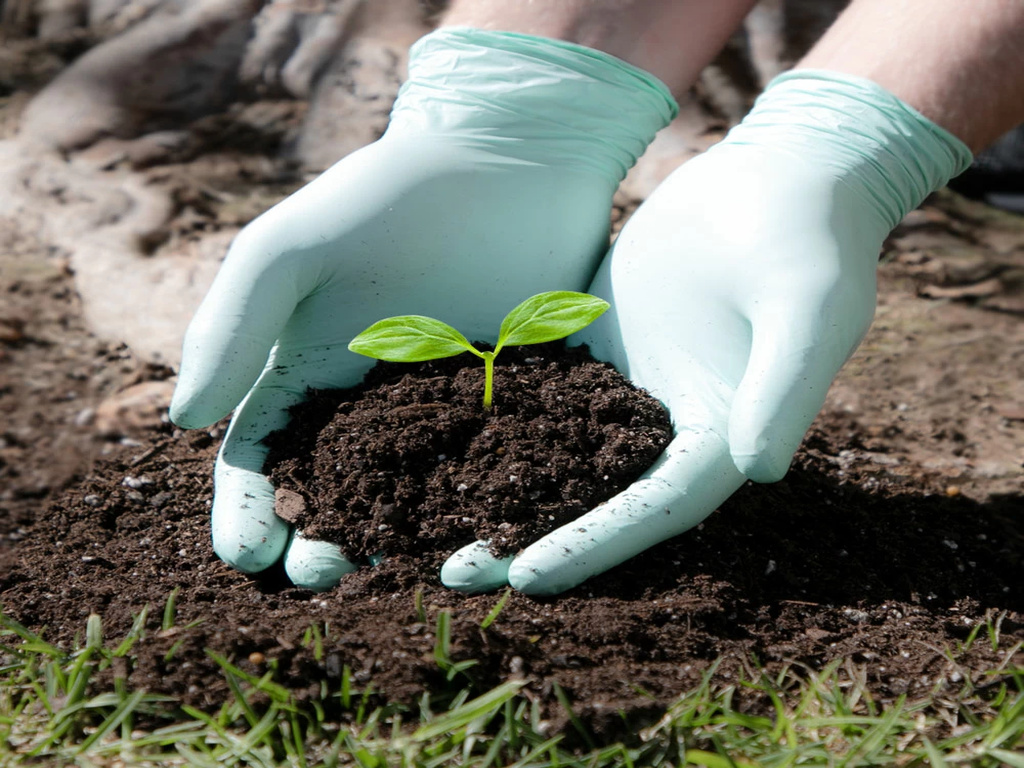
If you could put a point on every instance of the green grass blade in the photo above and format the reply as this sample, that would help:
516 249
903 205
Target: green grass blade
136 631
935 757
32 643
170 610
709 759
496 610
123 710
574 719
468 712
1013 759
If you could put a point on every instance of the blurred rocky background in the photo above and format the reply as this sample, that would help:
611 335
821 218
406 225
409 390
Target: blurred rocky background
138 136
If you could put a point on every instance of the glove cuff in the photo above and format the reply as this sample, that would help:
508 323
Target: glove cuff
889 151
531 98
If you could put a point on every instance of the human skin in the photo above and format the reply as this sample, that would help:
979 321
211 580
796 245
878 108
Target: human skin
960 64
672 40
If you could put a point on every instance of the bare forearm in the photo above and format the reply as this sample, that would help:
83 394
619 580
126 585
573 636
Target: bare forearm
672 39
960 64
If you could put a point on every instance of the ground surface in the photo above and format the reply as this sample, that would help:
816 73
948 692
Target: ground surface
899 528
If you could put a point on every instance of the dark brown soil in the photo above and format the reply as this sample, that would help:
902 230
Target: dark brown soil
898 530
411 463
811 569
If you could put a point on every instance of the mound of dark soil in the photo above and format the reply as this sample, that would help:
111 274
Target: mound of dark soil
835 562
410 462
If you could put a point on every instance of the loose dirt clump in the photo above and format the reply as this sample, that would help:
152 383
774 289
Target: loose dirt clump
411 463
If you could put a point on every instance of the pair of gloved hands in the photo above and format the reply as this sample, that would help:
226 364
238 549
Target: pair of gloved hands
738 288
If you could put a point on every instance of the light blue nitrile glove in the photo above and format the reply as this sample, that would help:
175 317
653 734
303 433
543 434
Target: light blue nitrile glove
738 289
492 183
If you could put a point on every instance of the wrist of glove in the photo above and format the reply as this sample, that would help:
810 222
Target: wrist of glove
530 98
859 133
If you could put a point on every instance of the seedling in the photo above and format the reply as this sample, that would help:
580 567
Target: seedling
414 338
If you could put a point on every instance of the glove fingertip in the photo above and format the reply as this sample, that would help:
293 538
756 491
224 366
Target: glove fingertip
473 569
246 558
766 426
315 565
769 418
189 412
245 532
218 368
761 445
529 579
765 466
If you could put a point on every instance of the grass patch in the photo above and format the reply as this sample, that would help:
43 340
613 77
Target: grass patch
76 708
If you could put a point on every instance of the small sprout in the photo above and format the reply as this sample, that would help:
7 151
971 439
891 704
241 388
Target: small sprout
414 338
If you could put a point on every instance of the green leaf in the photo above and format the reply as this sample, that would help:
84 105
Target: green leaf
468 712
1010 758
410 339
549 316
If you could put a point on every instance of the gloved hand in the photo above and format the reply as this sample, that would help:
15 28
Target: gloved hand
492 183
738 289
